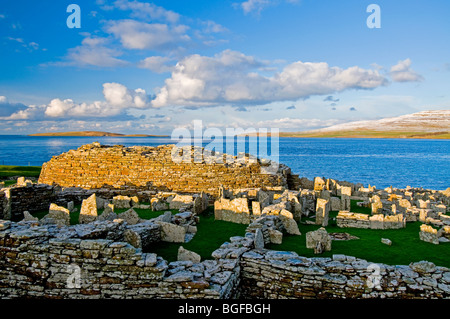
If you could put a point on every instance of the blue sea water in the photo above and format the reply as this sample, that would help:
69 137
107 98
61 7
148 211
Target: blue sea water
380 162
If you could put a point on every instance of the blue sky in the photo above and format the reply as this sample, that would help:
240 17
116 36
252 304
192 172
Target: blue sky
149 67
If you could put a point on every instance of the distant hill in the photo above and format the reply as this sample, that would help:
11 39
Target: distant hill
94 133
426 124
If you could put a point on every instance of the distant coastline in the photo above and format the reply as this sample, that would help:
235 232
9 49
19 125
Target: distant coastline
369 134
94 133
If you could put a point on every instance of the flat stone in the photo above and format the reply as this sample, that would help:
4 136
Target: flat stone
423 267
187 255
221 277
181 276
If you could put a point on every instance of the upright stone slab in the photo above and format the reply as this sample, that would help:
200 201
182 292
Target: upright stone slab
187 255
235 210
172 233
319 184
88 212
108 213
377 207
429 234
58 215
322 211
256 208
346 192
289 223
130 216
121 202
259 239
319 240
335 204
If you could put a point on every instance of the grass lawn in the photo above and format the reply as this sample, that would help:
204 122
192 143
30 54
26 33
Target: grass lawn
27 171
406 245
210 235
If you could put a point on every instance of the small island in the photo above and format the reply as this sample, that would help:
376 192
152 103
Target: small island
94 133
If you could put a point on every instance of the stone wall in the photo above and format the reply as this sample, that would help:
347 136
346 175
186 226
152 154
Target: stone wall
43 261
277 274
3 203
31 198
347 219
93 166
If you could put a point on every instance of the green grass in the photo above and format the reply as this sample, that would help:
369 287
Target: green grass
406 246
27 171
210 235
354 208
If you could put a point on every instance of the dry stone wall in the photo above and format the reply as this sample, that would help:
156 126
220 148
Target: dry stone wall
94 165
44 261
280 274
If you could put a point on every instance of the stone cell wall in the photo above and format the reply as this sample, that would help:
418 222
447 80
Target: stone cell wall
36 264
274 274
347 219
33 198
3 202
93 166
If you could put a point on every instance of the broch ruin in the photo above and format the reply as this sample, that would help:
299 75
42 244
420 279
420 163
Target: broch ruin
108 255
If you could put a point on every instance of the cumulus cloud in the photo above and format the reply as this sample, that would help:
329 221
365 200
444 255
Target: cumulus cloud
7 108
402 72
118 99
93 51
158 64
232 77
152 36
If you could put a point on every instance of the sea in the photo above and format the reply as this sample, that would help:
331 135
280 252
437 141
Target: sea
380 162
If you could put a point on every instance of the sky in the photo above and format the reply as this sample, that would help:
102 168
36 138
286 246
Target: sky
134 66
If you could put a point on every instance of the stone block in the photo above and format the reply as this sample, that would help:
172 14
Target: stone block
88 212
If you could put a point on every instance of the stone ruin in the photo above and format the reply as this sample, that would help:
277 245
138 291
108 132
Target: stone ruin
95 166
110 250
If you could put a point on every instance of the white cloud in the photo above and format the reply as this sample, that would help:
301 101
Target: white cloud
140 35
213 27
118 99
30 46
402 72
232 77
254 5
3 99
158 64
94 51
149 11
